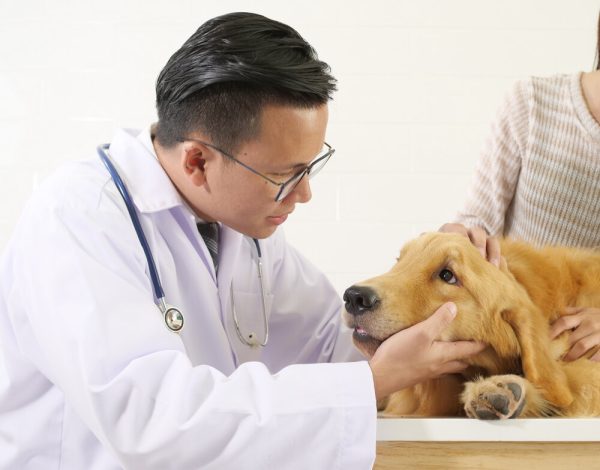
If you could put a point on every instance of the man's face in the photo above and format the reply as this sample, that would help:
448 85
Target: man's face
290 138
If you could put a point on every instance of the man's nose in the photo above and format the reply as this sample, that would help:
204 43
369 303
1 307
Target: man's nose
302 191
360 299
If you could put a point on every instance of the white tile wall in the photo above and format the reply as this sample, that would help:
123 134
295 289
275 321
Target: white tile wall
419 83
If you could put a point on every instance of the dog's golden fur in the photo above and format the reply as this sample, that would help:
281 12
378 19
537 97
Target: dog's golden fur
510 309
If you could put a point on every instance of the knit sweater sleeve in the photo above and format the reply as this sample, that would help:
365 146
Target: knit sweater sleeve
497 171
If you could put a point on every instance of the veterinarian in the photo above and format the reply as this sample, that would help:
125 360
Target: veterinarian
152 315
537 180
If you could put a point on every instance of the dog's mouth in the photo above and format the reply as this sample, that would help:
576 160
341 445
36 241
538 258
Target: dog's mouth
365 341
367 334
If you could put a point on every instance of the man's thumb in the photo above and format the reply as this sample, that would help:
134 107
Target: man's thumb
441 318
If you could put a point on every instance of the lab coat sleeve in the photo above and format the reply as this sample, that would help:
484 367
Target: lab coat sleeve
305 301
83 314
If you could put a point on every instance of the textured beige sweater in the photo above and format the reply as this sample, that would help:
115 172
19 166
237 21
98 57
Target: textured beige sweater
538 178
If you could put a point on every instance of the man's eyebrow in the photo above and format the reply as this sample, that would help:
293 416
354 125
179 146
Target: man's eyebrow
297 166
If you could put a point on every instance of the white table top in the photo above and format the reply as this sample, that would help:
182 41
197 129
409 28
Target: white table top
473 430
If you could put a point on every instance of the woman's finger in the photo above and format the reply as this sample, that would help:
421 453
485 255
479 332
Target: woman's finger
573 310
564 323
582 347
493 251
478 237
454 228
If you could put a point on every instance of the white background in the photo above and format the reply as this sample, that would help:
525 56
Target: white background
419 84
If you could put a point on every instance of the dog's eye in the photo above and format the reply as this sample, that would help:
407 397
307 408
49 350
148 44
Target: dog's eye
448 276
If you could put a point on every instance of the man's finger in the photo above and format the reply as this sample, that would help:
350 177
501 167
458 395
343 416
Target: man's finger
439 320
460 349
453 367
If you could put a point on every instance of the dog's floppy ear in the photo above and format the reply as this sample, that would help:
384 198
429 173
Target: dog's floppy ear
538 365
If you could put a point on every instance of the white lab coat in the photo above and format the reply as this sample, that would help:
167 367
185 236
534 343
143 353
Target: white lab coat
90 378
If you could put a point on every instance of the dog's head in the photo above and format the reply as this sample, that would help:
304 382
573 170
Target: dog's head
432 269
439 267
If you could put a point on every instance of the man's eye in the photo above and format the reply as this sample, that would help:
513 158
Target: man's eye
448 276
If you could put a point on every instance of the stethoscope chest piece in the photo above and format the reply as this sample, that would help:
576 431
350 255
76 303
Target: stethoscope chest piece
174 319
172 316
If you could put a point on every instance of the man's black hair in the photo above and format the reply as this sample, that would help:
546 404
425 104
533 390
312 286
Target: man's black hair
221 78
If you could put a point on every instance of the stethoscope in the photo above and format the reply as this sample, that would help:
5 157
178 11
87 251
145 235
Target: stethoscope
172 316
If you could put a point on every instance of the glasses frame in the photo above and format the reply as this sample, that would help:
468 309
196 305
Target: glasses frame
282 186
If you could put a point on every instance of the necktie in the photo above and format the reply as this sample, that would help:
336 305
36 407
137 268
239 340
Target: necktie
210 233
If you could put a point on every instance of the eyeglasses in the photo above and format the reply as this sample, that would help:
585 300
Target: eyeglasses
287 186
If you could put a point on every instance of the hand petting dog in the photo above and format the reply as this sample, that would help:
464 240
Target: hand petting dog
584 323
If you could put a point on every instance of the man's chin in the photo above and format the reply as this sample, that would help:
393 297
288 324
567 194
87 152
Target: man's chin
259 233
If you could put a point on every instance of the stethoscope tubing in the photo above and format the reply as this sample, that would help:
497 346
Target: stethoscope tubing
156 284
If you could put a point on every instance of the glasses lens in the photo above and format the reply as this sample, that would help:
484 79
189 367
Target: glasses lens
318 165
290 184
312 170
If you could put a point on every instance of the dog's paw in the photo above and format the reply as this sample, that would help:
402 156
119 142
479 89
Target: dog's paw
496 397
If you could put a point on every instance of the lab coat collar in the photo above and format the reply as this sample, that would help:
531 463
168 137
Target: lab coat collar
151 188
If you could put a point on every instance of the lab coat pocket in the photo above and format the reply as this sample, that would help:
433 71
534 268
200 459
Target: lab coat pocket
248 318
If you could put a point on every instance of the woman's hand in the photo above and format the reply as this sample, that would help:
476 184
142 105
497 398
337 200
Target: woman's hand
585 325
488 246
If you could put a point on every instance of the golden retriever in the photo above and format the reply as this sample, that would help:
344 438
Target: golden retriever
510 308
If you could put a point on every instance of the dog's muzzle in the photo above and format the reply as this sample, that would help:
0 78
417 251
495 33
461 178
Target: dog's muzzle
360 299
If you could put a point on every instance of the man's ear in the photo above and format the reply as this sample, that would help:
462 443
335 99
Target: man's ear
193 160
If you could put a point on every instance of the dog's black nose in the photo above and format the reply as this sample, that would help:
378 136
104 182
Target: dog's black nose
360 300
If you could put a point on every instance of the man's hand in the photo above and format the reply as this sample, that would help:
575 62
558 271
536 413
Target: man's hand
585 323
414 355
488 246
